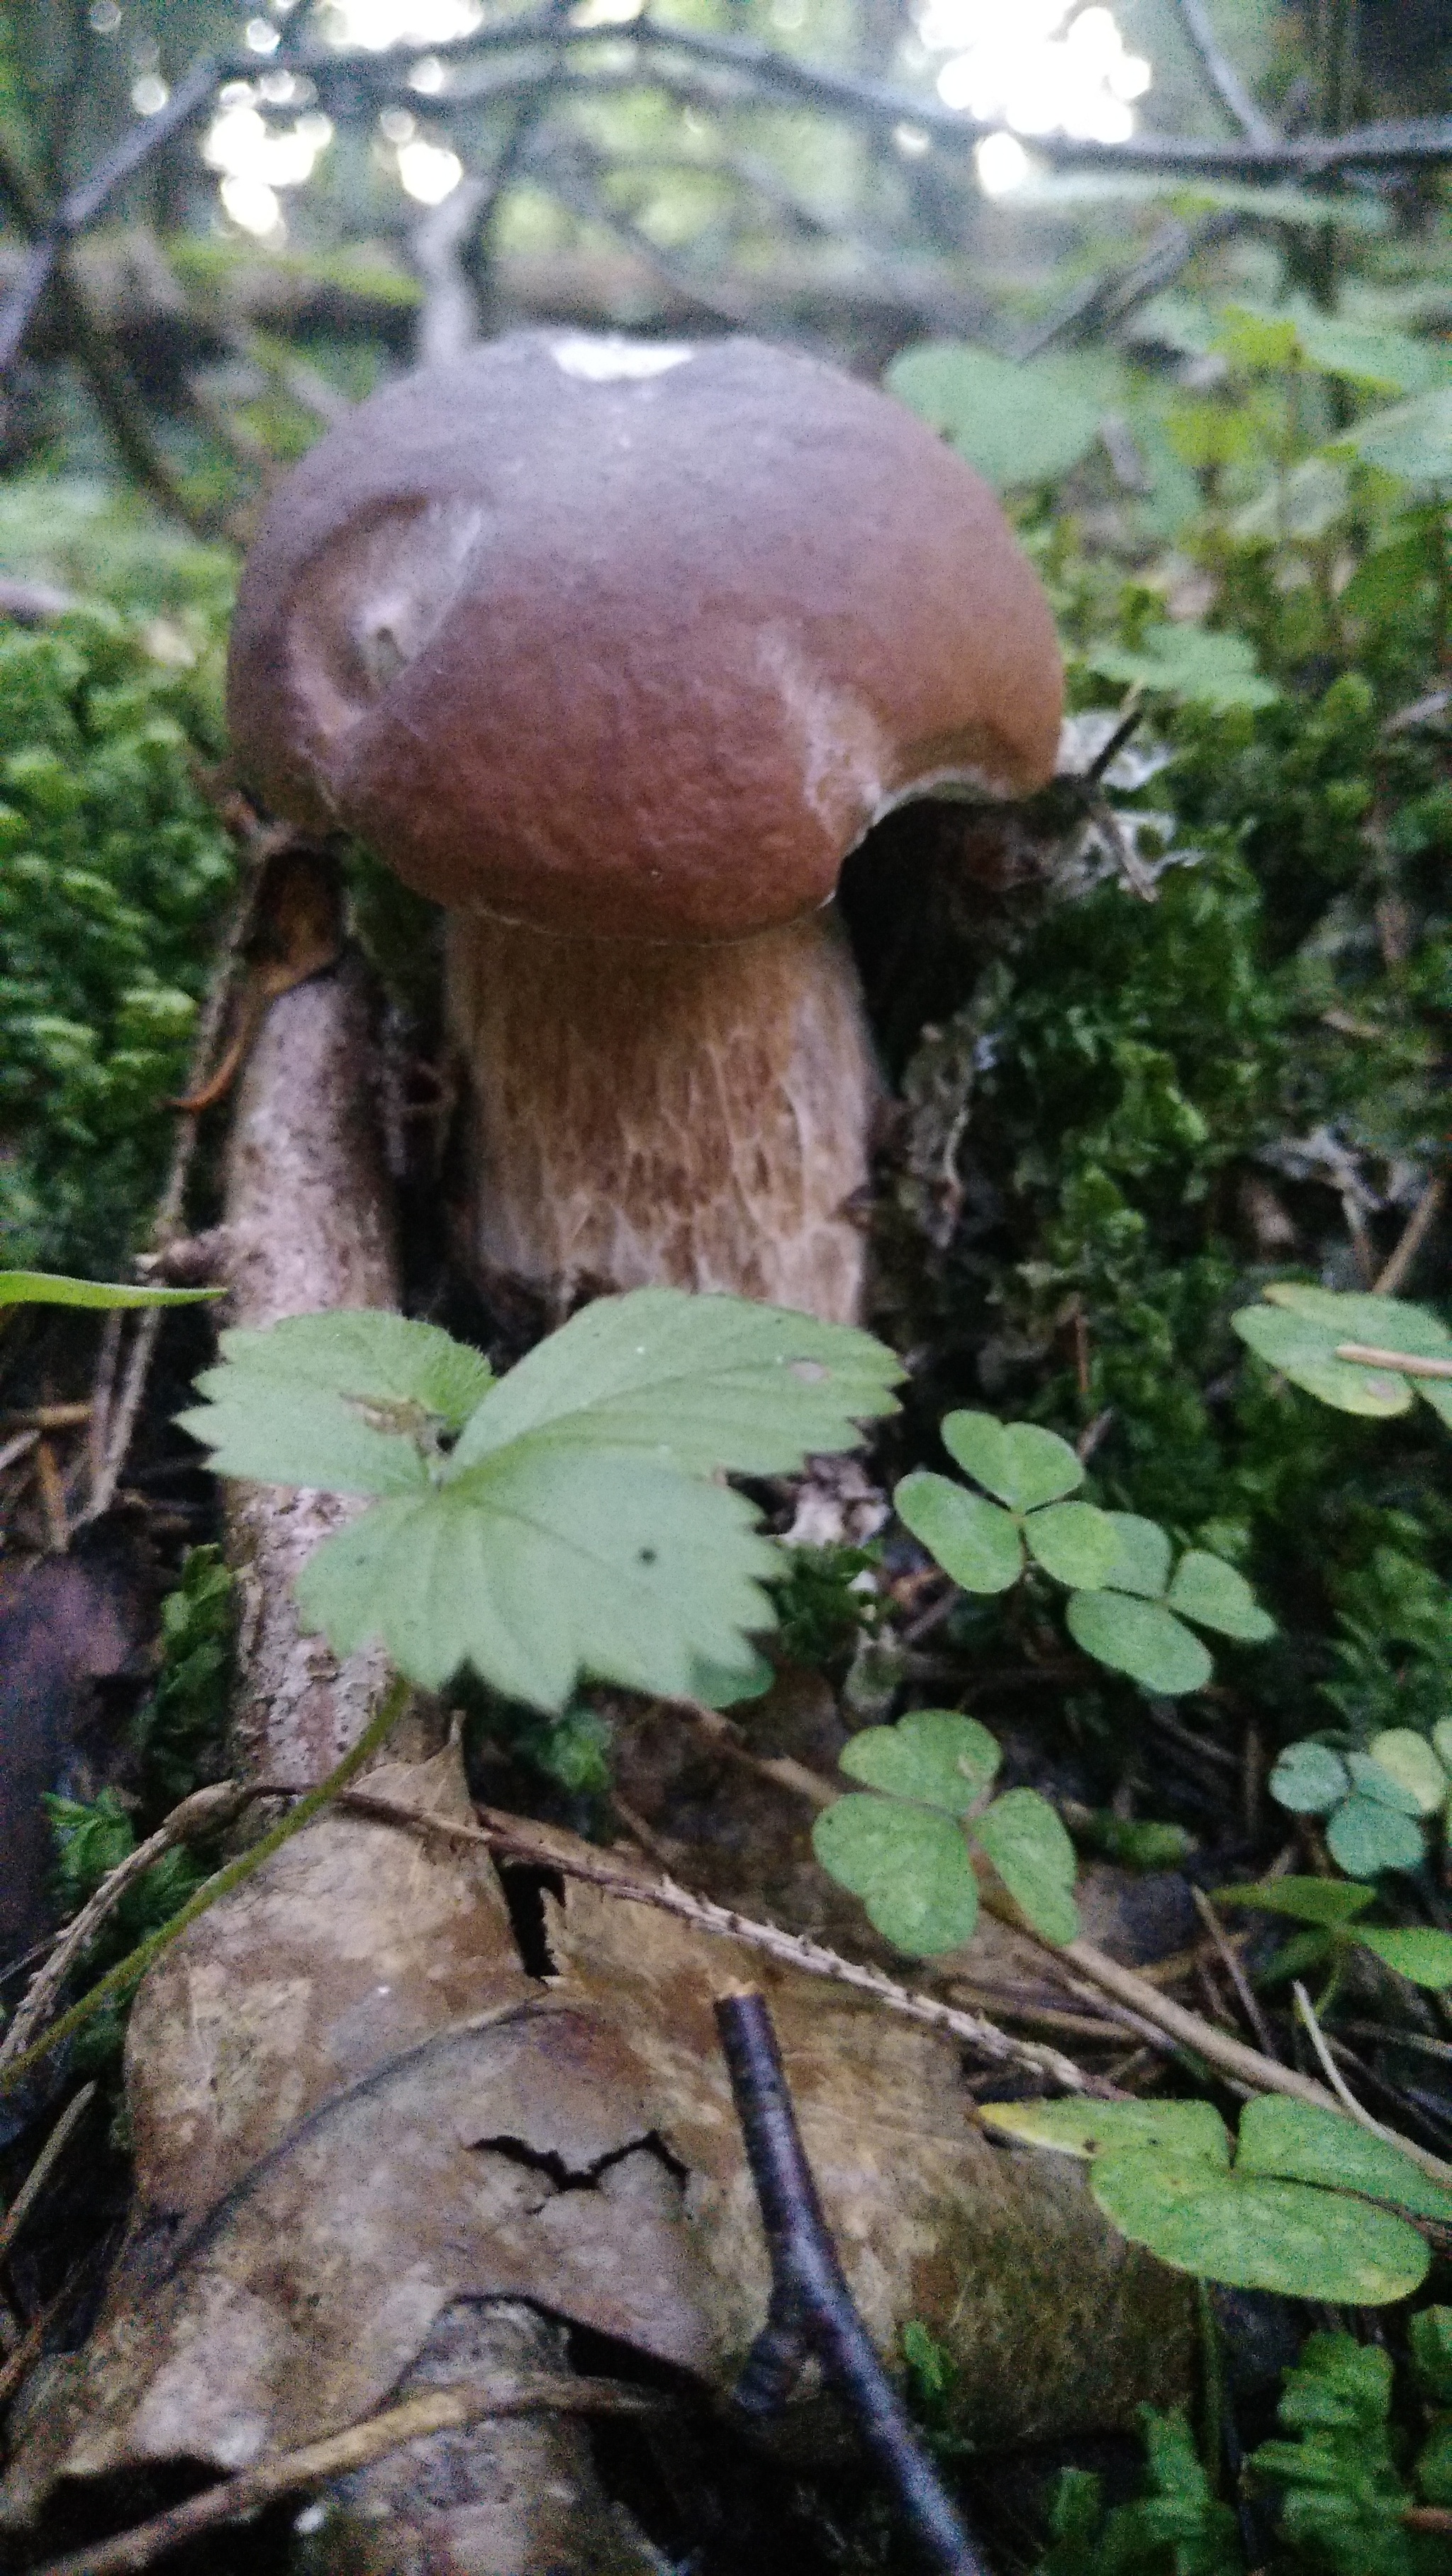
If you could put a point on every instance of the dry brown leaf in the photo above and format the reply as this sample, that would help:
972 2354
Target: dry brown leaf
354 2111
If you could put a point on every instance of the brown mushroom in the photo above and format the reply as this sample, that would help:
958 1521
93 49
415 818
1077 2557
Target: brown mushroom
616 650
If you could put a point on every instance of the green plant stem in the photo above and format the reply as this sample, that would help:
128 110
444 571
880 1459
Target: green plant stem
130 1970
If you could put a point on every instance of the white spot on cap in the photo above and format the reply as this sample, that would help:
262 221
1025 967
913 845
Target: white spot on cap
607 357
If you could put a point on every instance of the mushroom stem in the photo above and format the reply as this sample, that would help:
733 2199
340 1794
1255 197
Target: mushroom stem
693 1116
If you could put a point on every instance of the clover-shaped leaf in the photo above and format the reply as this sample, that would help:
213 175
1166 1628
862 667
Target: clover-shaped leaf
910 1862
1374 1816
1018 1462
1306 1333
1141 1639
1309 2207
1332 1906
973 1540
1074 1542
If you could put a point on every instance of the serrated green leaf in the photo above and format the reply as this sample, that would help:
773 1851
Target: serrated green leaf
1017 423
1309 1780
1208 1590
1409 1758
1027 1844
934 1756
1328 1901
352 1402
909 1866
1305 1352
1079 2128
49 1288
1140 1638
973 1540
1364 1837
1258 2234
547 1567
1022 1464
1415 1952
1301 2143
1143 1562
1183 661
1074 1542
696 1383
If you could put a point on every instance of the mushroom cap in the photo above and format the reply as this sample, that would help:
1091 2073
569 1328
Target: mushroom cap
634 641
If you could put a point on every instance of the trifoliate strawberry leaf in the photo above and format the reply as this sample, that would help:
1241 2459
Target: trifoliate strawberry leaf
934 1757
974 1541
1210 1592
1074 1542
1305 1352
545 1566
1034 1857
1020 1463
696 1383
910 1867
355 1402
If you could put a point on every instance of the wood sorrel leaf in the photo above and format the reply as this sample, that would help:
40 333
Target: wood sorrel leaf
1305 2144
973 1540
1140 1638
1079 2128
1020 1463
1309 1779
935 1757
910 1867
1259 2234
1028 1846
1143 1562
1074 1542
1209 1591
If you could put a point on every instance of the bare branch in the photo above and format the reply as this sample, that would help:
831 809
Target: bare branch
1222 75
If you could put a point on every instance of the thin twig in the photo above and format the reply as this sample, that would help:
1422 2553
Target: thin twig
508 1837
1229 1960
43 2167
1222 75
440 2410
129 1971
726 1738
206 1812
1414 1234
1410 1363
27 2352
1332 2071
124 1413
811 2305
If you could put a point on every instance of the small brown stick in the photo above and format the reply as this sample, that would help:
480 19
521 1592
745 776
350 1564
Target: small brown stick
27 2352
207 1811
19 1447
123 1416
1427 2517
1407 1363
52 1498
725 1737
1249 2003
441 2410
103 1390
43 2167
1414 1234
503 1834
50 1417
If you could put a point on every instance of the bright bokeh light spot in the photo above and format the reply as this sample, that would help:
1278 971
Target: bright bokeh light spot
1025 68
255 159
149 94
1002 164
262 37
428 75
375 24
252 205
429 171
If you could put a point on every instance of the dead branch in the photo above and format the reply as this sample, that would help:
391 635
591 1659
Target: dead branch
441 2410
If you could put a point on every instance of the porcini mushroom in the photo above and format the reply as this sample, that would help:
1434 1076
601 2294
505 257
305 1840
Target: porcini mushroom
616 650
